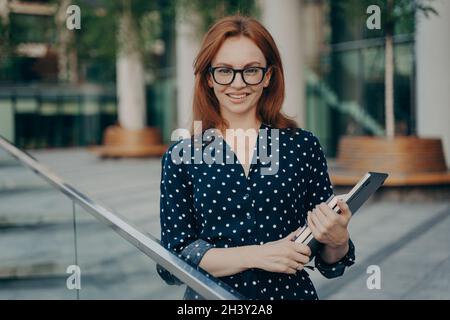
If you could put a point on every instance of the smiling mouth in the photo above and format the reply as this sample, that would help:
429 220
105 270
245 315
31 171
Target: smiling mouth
240 96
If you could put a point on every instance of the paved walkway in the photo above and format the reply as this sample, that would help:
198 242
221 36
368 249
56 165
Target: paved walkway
409 242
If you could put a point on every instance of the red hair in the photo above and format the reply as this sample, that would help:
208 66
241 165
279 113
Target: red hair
205 104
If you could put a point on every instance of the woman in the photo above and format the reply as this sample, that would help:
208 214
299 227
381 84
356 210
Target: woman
231 219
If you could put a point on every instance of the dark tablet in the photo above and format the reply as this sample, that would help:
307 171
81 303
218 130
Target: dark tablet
362 191
359 194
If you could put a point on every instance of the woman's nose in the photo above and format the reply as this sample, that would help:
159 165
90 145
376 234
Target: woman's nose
238 81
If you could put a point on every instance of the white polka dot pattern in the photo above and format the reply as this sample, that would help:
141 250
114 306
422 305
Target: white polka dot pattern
215 205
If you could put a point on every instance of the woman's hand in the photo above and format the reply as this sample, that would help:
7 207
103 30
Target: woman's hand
329 227
282 256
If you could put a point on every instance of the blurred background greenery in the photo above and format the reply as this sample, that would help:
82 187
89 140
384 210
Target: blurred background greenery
60 84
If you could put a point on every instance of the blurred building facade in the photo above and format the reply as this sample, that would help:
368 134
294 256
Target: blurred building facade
433 76
334 74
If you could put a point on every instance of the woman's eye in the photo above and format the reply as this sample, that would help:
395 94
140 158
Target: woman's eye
251 71
224 71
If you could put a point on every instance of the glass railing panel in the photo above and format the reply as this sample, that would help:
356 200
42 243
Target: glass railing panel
113 268
36 235
57 243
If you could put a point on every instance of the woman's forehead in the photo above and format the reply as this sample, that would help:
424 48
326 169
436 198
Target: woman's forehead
239 52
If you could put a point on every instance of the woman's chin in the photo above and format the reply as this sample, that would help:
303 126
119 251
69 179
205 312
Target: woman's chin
238 108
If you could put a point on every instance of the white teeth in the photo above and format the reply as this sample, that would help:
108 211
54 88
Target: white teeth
237 96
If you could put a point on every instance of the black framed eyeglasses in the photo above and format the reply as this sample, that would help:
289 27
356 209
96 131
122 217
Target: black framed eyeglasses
250 75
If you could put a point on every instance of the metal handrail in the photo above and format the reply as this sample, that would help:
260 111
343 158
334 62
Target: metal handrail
150 246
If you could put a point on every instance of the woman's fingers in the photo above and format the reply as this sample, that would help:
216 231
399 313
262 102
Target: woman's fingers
301 258
302 249
291 236
295 258
329 213
311 224
345 211
323 216
287 256
283 268
292 271
327 222
292 265
316 222
316 228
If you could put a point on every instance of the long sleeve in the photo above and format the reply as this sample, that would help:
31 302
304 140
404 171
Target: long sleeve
179 228
319 190
336 269
319 185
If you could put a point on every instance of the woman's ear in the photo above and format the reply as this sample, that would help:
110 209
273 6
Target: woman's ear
210 81
267 77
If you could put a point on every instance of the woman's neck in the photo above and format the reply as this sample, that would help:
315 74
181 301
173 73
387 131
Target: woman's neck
242 121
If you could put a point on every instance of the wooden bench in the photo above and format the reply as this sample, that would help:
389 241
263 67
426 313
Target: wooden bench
409 160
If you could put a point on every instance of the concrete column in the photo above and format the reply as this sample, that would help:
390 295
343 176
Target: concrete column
433 75
4 11
130 77
284 21
187 46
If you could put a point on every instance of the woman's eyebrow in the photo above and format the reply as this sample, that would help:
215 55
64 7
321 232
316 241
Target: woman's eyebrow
222 64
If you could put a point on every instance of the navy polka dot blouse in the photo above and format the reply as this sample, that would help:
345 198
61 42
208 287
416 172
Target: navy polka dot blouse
214 204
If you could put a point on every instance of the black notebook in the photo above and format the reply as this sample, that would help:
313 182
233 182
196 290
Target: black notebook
359 194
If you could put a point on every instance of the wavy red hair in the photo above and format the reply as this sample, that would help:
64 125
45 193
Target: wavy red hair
206 106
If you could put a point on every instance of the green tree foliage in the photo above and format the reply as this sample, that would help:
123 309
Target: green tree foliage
211 11
397 16
399 20
96 43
